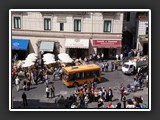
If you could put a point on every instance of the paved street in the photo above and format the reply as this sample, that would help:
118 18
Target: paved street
37 96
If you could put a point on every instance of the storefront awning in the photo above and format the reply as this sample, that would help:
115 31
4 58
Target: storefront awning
107 43
47 46
20 44
77 43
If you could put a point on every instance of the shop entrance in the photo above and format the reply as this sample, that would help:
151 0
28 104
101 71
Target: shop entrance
78 53
109 53
145 48
21 54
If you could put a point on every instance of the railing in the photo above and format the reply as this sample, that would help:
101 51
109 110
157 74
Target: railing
143 37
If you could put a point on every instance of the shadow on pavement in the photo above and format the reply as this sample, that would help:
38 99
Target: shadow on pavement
104 80
32 88
36 104
115 100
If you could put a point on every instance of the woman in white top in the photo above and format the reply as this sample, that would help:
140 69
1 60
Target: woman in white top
47 91
17 82
46 79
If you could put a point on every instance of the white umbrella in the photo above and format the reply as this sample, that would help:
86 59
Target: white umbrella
63 55
49 59
65 58
49 62
33 54
48 54
28 64
33 57
30 59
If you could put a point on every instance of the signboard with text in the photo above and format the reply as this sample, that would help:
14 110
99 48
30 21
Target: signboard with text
107 43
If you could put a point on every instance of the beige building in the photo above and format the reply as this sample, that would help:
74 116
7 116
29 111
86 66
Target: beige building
142 33
76 33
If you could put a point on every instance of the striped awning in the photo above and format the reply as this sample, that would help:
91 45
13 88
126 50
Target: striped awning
77 43
47 46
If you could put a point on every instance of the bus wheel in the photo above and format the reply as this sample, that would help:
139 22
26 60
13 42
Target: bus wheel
75 84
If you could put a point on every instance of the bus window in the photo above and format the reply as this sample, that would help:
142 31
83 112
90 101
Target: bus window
72 77
88 74
96 72
79 75
82 73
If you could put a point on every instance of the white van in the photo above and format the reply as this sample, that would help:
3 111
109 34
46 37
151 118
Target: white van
132 66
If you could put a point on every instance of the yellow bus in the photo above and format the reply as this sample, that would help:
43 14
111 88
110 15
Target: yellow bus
79 75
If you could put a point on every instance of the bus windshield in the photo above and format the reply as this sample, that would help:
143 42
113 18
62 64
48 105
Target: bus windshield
65 76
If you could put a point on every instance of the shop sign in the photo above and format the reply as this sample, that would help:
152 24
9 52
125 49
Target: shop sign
107 43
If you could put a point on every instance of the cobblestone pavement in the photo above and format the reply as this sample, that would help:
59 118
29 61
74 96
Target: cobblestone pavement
37 96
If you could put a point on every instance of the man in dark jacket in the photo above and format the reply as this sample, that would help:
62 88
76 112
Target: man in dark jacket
24 98
124 101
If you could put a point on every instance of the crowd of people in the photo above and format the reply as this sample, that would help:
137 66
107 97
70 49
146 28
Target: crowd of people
83 95
104 98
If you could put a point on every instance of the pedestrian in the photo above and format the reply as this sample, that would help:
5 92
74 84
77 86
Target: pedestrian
106 66
86 100
140 81
46 79
61 73
52 91
102 57
124 101
110 105
32 77
103 66
118 105
121 56
122 90
41 76
135 53
98 57
17 82
85 59
95 95
138 53
112 66
36 77
116 66
110 94
95 80
55 73
117 56
47 91
100 103
67 104
24 98
16 56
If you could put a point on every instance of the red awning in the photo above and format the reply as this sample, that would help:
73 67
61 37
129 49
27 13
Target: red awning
107 43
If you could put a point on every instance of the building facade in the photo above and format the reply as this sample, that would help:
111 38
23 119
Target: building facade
129 30
77 33
142 32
